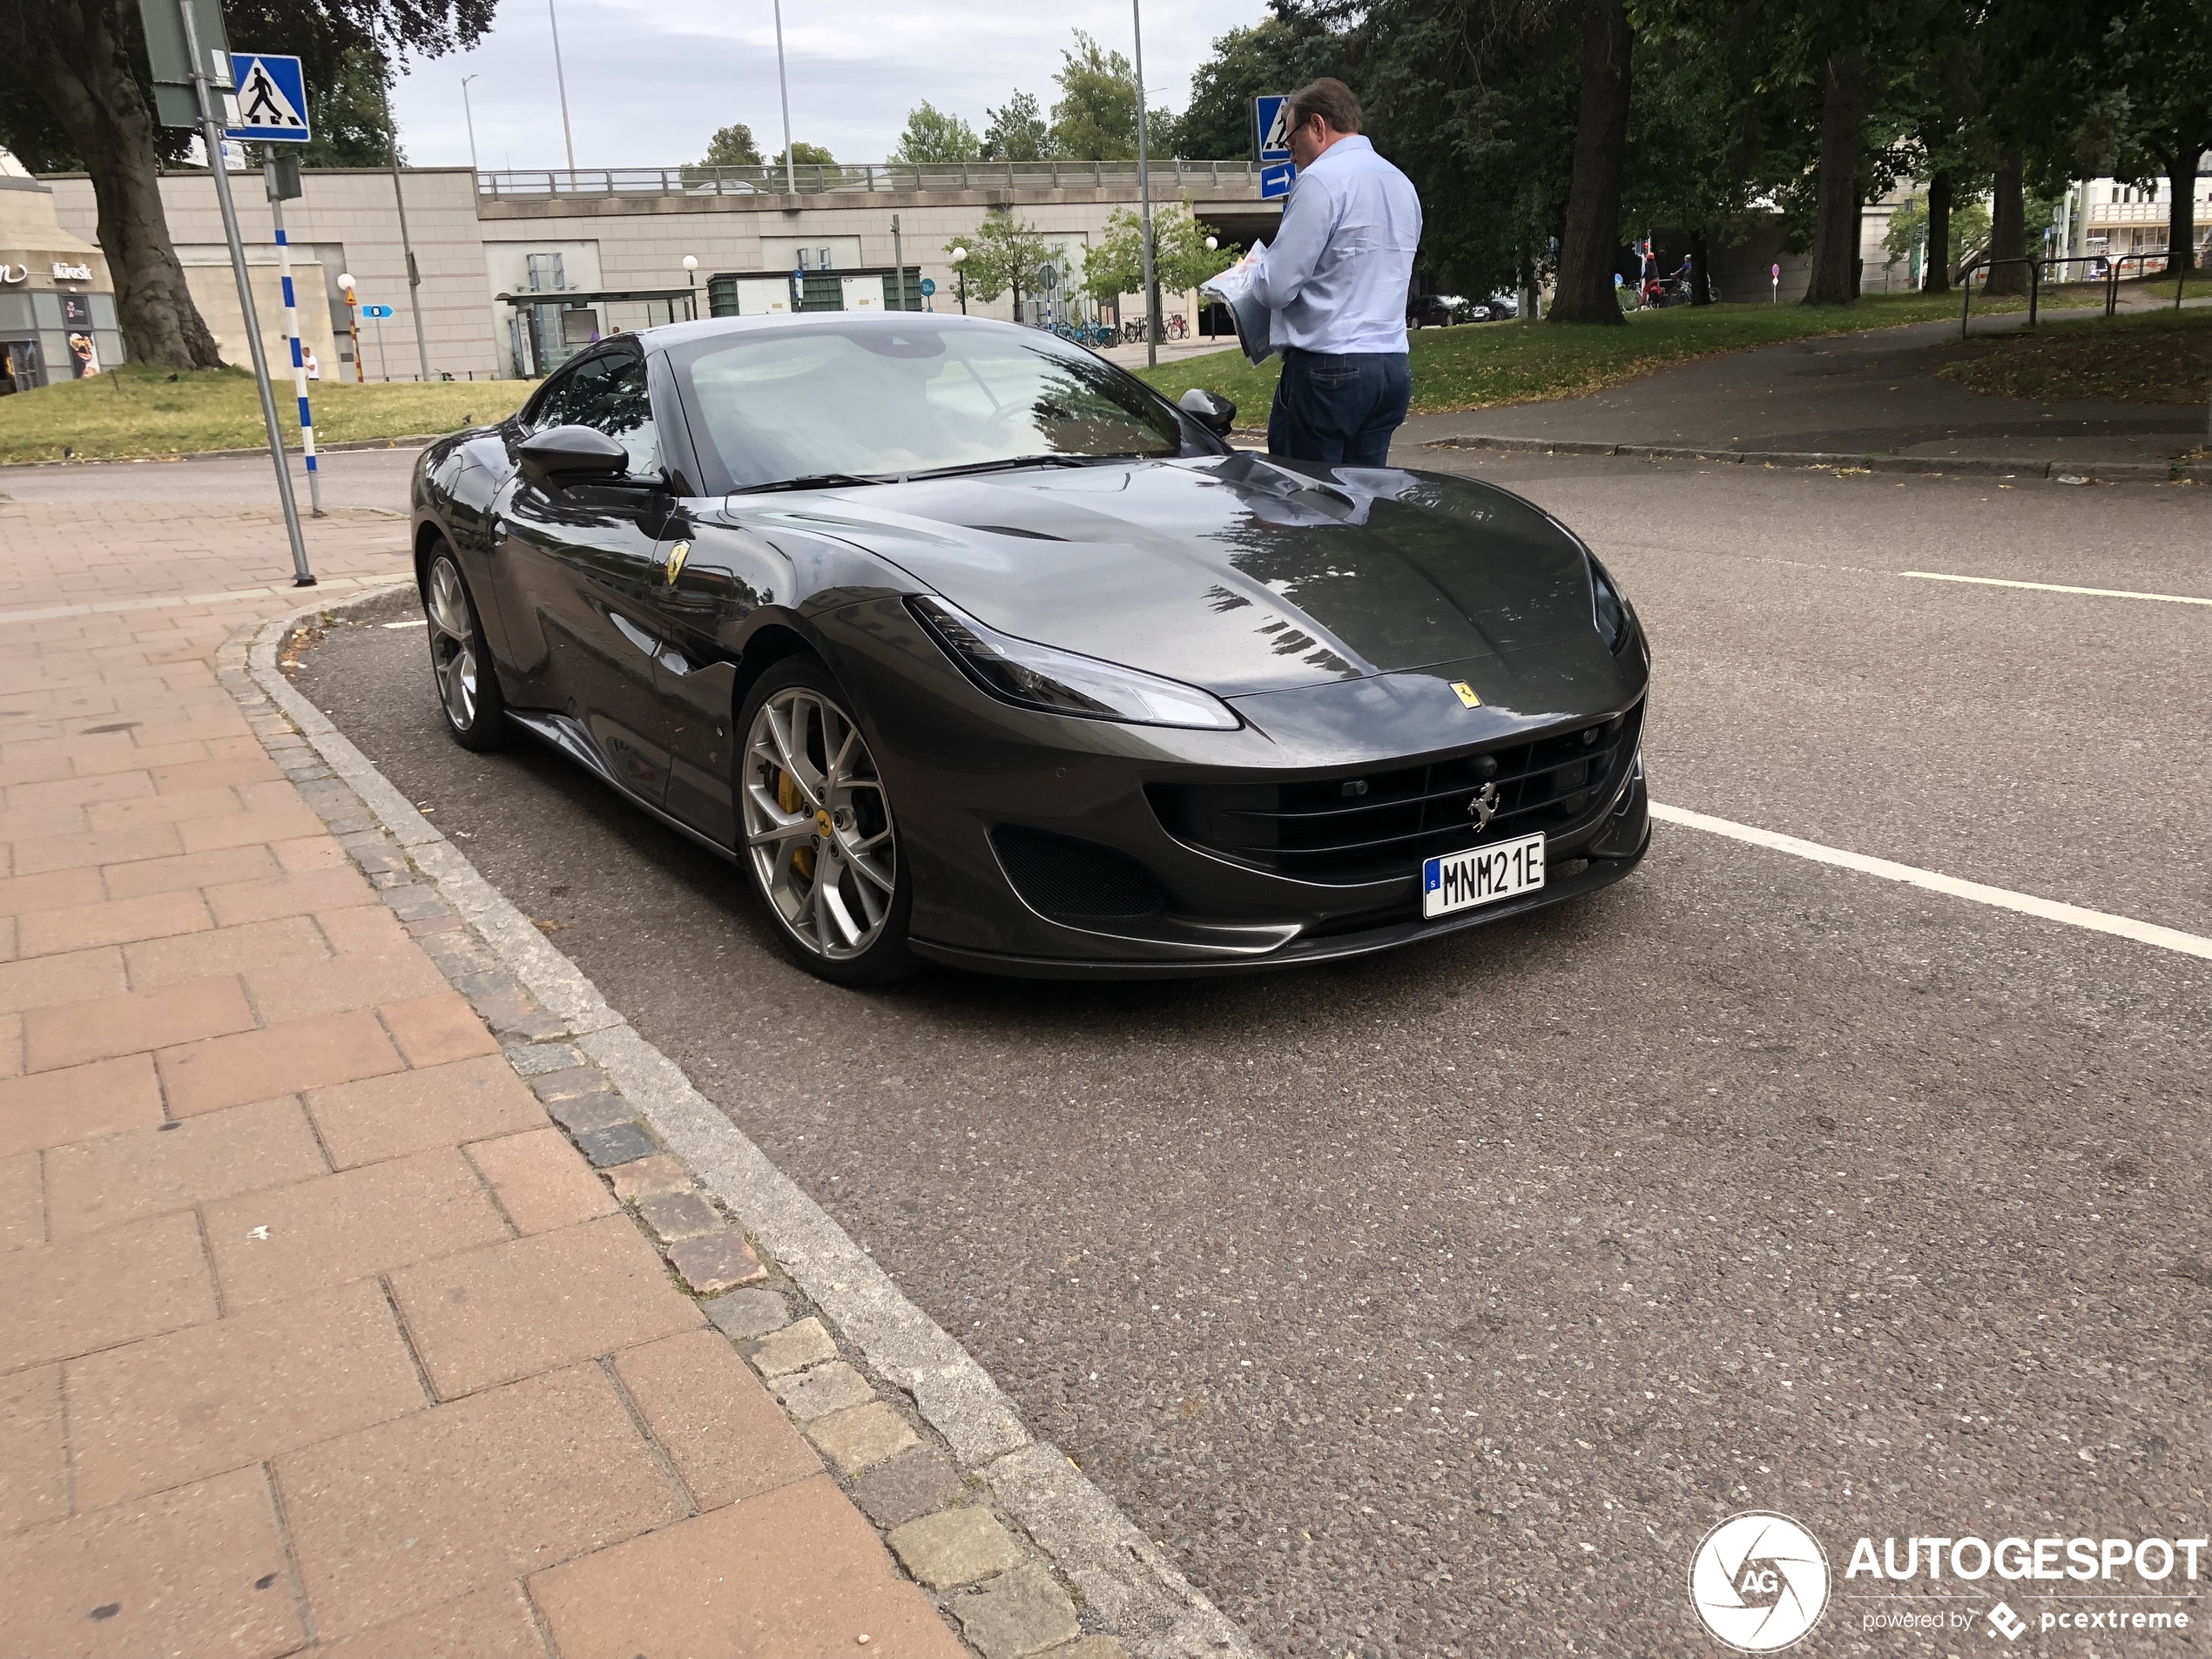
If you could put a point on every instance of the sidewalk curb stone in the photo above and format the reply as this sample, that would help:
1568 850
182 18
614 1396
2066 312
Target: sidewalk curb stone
1124 1586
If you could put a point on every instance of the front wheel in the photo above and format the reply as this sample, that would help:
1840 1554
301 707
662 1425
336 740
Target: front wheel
468 689
820 836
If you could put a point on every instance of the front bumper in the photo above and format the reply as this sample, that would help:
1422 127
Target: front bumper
964 768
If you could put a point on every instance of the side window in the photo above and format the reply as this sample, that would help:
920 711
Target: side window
567 394
616 403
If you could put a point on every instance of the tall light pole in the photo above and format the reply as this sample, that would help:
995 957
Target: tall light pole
470 116
691 275
791 169
1144 197
560 81
414 275
960 270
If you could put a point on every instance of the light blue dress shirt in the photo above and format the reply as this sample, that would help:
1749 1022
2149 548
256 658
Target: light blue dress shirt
1336 277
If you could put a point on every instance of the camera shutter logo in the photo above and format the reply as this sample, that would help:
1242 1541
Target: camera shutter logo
1759 1581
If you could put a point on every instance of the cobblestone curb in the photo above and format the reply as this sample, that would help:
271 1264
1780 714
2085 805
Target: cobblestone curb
998 1527
2101 472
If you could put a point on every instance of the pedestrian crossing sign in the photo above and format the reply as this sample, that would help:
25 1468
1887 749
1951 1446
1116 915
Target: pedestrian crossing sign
269 104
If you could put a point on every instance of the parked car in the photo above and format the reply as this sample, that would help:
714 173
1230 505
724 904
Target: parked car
964 644
1434 311
1498 308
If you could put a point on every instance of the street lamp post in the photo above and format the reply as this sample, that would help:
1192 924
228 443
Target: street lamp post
791 167
960 275
560 81
1144 197
691 275
470 116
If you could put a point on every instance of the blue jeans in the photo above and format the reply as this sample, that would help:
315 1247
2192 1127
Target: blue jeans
1338 408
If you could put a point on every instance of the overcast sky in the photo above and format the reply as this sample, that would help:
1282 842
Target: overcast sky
649 83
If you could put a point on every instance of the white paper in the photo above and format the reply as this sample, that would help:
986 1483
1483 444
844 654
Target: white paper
1233 288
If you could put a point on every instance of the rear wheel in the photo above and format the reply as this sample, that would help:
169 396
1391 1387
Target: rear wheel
820 836
468 689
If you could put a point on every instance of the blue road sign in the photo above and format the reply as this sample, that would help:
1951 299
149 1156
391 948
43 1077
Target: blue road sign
1271 129
1277 180
271 103
928 287
378 312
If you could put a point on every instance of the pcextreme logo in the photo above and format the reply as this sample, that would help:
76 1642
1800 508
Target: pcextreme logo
1759 1581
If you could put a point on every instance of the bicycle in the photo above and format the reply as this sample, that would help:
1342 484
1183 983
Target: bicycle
1176 327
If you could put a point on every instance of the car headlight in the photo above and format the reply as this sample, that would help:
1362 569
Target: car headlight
1610 608
1060 681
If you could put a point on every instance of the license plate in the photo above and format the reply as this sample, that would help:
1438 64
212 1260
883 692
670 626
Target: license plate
1461 880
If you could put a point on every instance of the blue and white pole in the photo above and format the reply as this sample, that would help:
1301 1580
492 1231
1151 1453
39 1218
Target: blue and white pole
298 363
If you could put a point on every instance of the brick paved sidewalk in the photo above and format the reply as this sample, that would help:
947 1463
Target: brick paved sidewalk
316 1332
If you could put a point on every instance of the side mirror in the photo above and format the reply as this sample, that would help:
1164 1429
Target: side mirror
1210 409
572 452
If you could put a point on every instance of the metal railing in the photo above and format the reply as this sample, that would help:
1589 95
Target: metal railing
530 183
1984 263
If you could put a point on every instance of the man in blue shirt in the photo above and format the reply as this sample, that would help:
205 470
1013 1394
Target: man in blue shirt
1336 281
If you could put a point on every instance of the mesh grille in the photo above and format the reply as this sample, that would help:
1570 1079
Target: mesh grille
1074 879
1372 826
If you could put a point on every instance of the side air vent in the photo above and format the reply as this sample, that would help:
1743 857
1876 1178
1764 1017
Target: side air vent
1075 881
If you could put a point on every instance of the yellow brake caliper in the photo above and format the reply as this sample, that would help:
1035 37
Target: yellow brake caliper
789 799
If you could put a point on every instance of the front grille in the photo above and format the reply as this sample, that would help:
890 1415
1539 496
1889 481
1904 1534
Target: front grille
1075 879
1372 826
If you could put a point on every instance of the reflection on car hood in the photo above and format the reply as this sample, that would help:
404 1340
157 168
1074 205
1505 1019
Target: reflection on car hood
1234 574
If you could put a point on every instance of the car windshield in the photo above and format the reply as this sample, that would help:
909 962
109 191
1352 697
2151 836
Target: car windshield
839 402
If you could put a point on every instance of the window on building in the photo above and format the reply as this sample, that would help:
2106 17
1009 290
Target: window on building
545 273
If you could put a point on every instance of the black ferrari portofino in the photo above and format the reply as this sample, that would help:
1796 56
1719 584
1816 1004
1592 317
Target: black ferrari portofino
966 646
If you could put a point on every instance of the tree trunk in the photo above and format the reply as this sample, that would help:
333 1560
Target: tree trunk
77 59
1835 235
1937 259
2181 217
1701 270
2008 225
1592 241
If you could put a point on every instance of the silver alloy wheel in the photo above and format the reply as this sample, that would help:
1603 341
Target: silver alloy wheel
453 642
818 823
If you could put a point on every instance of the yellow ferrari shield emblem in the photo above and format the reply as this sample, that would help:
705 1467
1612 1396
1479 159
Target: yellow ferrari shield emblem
676 555
1466 694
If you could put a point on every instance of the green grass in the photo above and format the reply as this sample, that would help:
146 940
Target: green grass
2151 357
132 411
1483 365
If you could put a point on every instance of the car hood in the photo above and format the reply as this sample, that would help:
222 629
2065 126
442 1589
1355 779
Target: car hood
1236 574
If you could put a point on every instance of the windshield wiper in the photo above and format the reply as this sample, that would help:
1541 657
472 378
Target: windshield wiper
811 481
1014 462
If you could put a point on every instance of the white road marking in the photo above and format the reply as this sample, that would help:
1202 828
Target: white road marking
2143 932
2058 587
418 622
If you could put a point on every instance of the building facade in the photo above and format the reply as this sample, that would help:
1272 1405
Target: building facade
57 318
517 268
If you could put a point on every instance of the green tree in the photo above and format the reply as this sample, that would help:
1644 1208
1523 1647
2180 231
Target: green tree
1018 132
85 61
803 154
1181 260
1002 254
732 146
934 136
1095 117
1964 230
1279 54
346 113
2162 50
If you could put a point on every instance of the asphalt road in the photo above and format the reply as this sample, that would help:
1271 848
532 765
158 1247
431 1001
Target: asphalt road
1438 1305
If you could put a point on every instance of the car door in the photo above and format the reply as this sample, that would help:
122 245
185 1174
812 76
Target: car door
581 562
